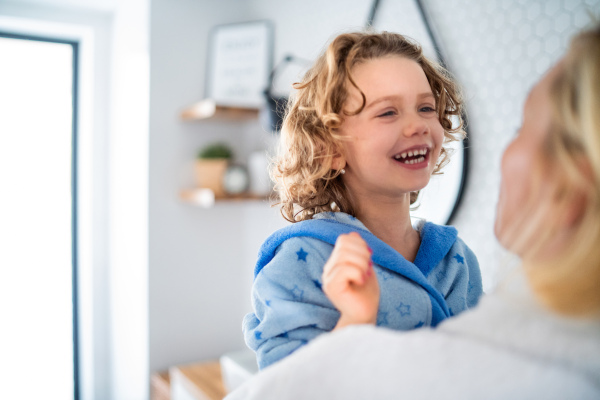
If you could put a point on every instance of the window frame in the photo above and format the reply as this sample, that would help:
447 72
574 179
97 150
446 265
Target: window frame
74 176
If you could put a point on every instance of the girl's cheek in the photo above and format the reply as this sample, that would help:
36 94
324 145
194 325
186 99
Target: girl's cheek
437 151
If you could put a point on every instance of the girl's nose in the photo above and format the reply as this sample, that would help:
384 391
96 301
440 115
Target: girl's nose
414 125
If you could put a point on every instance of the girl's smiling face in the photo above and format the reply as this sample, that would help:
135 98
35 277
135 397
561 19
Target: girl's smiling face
395 141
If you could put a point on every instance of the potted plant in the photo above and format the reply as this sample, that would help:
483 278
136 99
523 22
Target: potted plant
211 163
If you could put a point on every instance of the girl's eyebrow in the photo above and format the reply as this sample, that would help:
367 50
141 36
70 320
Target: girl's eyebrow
420 97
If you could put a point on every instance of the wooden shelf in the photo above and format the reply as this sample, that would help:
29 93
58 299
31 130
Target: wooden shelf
206 197
202 381
207 108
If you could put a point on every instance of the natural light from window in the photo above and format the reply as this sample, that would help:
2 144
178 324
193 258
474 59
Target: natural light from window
36 344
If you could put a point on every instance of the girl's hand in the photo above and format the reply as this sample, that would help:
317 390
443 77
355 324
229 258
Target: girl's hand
350 283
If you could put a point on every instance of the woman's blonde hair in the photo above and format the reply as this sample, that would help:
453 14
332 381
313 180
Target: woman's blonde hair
303 173
570 282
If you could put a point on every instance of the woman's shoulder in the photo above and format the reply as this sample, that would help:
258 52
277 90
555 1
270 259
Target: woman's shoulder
510 320
459 364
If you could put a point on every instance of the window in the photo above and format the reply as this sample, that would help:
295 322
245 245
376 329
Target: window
38 209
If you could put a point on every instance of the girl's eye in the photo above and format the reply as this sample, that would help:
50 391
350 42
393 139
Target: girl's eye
427 109
387 114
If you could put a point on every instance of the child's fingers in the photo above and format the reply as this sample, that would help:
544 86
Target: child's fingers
351 240
350 253
351 244
355 259
346 272
340 278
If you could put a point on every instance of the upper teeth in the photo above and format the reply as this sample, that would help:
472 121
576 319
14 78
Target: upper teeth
421 152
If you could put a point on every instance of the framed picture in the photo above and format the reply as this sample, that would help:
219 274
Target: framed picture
239 63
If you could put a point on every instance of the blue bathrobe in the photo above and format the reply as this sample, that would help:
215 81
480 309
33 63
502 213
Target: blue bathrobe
290 307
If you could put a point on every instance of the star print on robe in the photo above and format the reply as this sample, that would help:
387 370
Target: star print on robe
471 287
301 254
382 318
440 275
383 275
419 325
317 284
257 335
459 258
298 293
403 309
268 303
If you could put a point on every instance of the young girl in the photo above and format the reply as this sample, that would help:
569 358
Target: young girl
362 136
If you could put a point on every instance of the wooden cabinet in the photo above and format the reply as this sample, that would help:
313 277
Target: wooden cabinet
200 381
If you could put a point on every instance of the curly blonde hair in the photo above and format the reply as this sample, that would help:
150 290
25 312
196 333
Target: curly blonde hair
302 172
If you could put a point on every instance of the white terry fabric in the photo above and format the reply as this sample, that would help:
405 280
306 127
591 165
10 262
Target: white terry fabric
508 347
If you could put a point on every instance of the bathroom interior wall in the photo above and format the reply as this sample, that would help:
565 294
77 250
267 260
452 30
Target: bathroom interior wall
201 260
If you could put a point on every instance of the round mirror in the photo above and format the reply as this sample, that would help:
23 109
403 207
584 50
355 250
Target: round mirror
440 199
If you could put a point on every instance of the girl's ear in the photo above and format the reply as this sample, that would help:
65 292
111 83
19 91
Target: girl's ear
338 162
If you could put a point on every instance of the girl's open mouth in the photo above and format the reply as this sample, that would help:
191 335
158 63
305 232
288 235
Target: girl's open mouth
416 158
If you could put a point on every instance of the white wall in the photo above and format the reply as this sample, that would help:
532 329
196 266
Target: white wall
192 267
